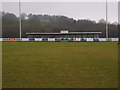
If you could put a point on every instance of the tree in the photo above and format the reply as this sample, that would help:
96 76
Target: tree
23 16
102 21
10 26
47 23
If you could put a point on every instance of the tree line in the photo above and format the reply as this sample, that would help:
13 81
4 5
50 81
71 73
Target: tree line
46 23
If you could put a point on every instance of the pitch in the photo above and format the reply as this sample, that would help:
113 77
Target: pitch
60 65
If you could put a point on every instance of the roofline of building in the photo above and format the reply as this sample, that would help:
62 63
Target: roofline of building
69 33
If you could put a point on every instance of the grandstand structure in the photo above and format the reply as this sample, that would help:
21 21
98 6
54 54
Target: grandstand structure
65 34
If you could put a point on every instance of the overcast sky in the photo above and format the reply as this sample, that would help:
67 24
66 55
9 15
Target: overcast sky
77 10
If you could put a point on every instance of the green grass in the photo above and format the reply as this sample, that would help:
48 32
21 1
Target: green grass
60 65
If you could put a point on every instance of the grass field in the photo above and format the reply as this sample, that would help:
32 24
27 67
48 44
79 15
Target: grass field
60 64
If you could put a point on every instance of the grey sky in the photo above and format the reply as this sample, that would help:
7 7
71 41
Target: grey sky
76 10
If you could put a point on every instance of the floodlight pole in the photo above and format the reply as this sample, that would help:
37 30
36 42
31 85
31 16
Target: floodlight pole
20 18
106 20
